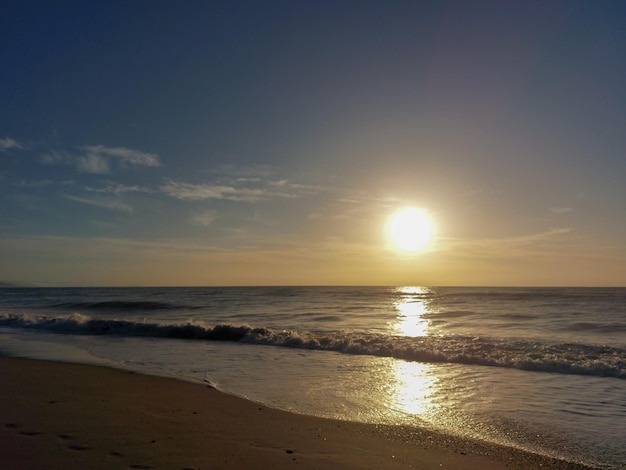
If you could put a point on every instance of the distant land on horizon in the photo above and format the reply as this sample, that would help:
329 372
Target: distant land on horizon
7 284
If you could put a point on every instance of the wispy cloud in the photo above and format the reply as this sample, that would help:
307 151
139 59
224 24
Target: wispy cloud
83 163
9 143
245 184
127 156
103 203
116 188
199 192
507 246
97 159
205 218
53 157
303 188
92 164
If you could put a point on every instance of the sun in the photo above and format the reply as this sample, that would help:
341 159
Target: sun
410 230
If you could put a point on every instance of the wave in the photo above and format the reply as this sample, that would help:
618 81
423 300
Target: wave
569 358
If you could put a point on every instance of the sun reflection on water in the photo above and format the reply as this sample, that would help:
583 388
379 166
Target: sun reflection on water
414 388
411 307
413 384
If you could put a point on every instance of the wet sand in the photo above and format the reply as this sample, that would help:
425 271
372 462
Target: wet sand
59 416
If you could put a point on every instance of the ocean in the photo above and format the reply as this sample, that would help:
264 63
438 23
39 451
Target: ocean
541 369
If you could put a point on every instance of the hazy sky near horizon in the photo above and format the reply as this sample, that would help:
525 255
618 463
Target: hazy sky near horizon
259 143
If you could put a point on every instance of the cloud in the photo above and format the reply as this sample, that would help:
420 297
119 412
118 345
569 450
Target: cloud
54 157
9 143
97 159
83 163
92 164
109 204
116 188
254 186
543 242
302 188
205 219
199 192
127 156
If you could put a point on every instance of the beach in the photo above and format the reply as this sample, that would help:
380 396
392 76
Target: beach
59 415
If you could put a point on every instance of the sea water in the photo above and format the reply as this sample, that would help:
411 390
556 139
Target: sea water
542 369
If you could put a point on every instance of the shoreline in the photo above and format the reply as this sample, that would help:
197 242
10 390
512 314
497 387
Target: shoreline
58 415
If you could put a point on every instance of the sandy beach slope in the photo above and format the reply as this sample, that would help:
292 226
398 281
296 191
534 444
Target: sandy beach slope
60 416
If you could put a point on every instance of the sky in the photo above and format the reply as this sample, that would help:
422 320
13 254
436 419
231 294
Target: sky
191 143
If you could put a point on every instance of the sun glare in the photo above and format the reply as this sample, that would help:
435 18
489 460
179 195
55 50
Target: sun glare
410 230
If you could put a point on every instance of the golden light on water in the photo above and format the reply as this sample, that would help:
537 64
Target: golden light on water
414 388
413 384
411 307
410 230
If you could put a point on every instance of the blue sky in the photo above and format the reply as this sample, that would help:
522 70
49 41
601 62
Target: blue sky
255 143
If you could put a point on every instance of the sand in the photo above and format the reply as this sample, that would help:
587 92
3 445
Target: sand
67 416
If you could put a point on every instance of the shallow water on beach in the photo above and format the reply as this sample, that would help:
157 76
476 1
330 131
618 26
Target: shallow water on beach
539 369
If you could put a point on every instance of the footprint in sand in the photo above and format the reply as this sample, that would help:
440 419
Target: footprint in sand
140 466
78 447
66 437
23 433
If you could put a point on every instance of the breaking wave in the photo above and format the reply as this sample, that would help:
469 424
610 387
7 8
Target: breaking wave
565 358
